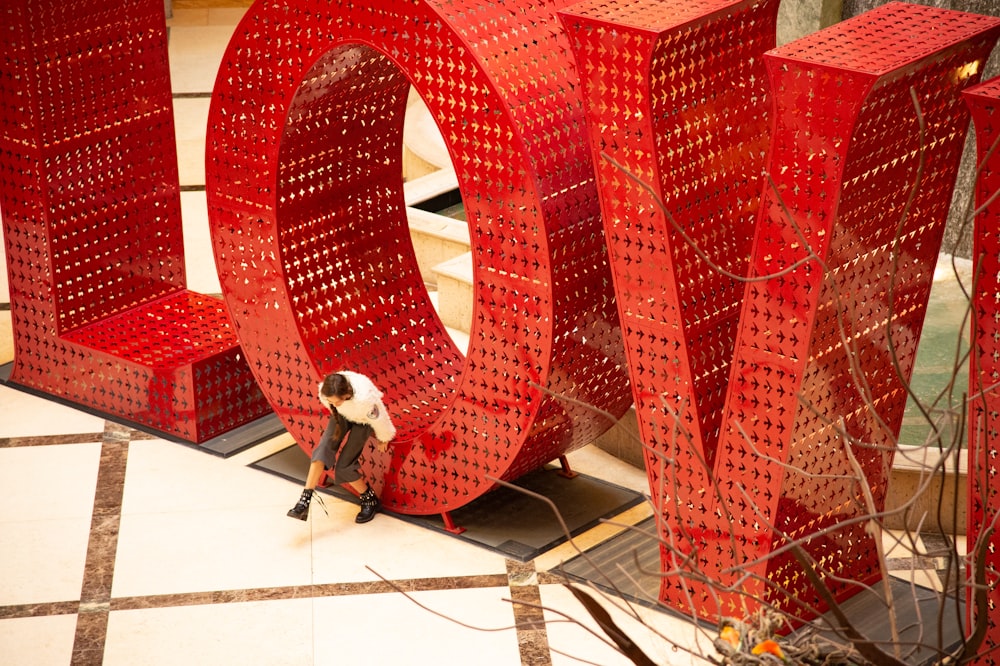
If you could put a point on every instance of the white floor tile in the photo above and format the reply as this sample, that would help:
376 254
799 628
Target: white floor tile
187 17
273 633
42 561
166 477
392 629
602 465
391 548
190 123
45 526
195 53
26 415
48 482
210 549
37 641
6 331
202 275
921 577
4 279
191 522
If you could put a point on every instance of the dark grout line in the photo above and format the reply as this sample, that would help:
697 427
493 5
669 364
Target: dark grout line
49 440
98 572
218 597
44 609
308 592
529 618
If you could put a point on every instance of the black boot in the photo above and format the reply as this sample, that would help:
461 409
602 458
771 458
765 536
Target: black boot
369 506
301 509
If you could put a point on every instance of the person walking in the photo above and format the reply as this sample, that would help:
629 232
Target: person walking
356 413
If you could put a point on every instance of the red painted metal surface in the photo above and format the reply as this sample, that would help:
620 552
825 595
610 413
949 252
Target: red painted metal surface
748 391
91 213
309 228
984 373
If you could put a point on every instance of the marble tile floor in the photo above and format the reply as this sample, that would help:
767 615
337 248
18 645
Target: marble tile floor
121 548
117 547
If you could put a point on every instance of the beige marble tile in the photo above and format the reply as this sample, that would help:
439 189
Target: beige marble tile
573 634
190 123
962 545
4 280
165 477
389 547
6 335
195 53
210 549
226 16
42 560
27 475
399 631
192 522
27 415
211 4
264 449
896 544
199 258
598 463
37 641
927 578
273 633
49 523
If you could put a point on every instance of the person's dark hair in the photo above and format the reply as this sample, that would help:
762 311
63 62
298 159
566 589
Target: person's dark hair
337 386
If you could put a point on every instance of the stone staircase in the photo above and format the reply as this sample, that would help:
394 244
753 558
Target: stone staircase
438 229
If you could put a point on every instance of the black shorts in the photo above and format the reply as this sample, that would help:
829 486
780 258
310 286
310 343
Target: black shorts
350 439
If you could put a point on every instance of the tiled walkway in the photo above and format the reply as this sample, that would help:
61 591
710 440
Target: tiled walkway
119 548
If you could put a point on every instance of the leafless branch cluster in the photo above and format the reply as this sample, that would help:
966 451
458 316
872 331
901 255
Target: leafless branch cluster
776 632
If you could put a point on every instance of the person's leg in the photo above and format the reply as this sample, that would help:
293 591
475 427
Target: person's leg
316 469
348 473
360 486
370 503
323 458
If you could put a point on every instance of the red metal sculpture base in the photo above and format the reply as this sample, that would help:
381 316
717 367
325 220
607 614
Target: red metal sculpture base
91 217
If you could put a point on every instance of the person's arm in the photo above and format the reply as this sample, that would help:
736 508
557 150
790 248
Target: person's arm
380 422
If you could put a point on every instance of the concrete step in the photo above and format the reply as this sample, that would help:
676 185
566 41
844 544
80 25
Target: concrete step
429 186
424 149
454 285
436 239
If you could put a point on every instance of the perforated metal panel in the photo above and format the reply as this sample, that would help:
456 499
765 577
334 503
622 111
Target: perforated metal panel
309 229
984 373
744 393
91 213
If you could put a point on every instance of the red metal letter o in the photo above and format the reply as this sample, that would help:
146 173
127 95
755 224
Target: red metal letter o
313 249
